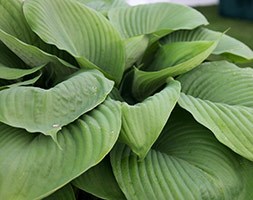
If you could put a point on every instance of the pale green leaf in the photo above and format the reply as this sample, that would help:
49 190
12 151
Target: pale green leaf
142 123
15 73
227 47
12 21
219 96
9 59
47 111
33 56
135 49
100 181
158 19
84 33
104 6
11 84
170 55
32 166
247 174
19 38
170 60
187 162
65 193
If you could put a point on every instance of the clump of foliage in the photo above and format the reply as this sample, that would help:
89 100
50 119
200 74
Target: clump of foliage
98 98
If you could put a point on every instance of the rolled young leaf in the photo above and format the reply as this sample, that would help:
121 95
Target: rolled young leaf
219 96
47 111
84 33
142 123
170 60
186 162
33 167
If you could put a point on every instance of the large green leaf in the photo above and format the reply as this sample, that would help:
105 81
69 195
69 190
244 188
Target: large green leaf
19 38
84 33
32 166
142 123
219 96
171 60
65 193
187 162
100 181
227 47
33 56
47 111
12 21
158 19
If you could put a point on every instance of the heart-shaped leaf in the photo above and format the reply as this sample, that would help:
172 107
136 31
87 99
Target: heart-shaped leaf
32 166
142 123
96 44
219 96
47 111
187 162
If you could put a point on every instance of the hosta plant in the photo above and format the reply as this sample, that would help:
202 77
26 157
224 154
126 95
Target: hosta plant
100 99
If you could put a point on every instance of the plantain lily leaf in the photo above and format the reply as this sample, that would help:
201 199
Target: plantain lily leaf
96 44
11 84
19 38
135 49
247 167
9 59
187 162
14 73
100 181
47 111
171 60
219 96
142 123
104 6
32 166
65 193
227 47
154 19
33 56
14 23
